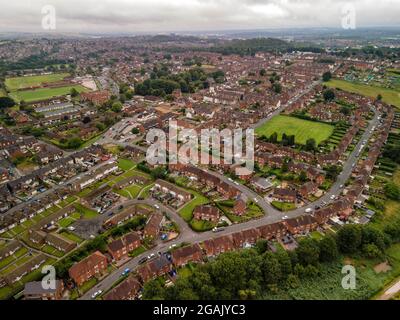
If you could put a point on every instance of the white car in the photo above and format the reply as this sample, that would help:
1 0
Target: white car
285 217
156 206
256 200
151 256
96 294
333 197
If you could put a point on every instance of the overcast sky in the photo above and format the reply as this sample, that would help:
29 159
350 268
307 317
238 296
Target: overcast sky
192 15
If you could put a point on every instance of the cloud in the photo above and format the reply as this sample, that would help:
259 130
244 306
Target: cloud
189 15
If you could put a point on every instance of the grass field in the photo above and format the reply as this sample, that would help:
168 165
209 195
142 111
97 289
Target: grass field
388 95
302 129
44 93
187 211
26 82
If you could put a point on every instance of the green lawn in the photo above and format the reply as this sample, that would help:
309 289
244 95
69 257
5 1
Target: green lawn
283 206
201 226
388 95
66 222
44 93
25 82
71 236
302 129
85 212
126 164
187 211
137 251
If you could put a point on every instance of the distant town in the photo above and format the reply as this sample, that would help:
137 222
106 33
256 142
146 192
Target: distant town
78 194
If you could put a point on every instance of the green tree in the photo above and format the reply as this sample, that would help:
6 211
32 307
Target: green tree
116 107
392 191
271 268
308 252
6 102
328 250
327 76
329 95
311 144
349 238
74 93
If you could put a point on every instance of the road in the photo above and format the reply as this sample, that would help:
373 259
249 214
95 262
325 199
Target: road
390 292
272 216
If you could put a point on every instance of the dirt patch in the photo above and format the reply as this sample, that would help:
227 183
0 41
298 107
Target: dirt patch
383 267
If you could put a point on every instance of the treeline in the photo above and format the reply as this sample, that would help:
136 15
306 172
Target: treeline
162 82
254 273
32 62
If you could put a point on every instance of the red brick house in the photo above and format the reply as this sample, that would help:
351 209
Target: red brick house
152 228
301 224
120 248
287 195
126 290
207 213
155 268
213 247
182 256
307 189
92 266
240 207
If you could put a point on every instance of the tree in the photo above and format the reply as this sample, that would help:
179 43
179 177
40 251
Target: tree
135 131
392 191
328 250
379 97
86 119
303 176
327 76
311 144
153 290
263 72
349 238
273 138
116 107
74 92
332 172
329 95
277 87
346 110
308 252
6 102
271 268
74 143
372 235
371 251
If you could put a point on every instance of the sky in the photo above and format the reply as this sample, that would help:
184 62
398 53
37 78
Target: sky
141 16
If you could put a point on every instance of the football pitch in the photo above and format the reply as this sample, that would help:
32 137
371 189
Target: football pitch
29 81
302 129
44 93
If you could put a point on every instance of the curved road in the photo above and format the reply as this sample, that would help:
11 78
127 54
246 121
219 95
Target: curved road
272 215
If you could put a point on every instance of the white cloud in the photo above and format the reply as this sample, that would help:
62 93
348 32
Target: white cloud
188 15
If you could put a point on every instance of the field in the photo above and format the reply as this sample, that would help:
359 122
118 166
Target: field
187 211
26 82
389 96
302 129
44 93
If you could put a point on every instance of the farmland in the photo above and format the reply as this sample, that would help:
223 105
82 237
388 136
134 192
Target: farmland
388 95
302 129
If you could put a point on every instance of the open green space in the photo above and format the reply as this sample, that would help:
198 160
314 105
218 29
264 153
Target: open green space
302 129
283 206
187 211
85 212
126 164
388 95
16 83
44 93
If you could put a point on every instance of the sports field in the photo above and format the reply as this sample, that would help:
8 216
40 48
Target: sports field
302 129
388 95
44 93
29 81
